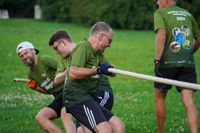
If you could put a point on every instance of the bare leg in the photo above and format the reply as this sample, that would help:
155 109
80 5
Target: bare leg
117 125
83 129
192 115
103 127
44 118
159 100
67 121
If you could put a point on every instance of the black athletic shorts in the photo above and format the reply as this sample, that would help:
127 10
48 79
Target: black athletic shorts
181 74
89 113
105 99
56 105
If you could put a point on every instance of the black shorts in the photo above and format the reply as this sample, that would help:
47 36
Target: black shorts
180 74
89 113
105 99
56 105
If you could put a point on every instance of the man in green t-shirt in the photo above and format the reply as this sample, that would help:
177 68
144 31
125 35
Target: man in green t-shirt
83 79
41 74
62 44
177 39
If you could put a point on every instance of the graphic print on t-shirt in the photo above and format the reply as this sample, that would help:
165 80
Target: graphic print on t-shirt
180 39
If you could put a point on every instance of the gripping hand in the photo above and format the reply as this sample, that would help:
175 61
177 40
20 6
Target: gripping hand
103 69
32 84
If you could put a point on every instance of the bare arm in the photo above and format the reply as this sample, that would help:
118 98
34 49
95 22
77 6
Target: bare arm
160 43
196 45
76 72
39 89
60 77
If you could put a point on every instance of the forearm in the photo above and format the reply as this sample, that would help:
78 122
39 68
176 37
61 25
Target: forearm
196 45
160 43
39 89
60 77
80 72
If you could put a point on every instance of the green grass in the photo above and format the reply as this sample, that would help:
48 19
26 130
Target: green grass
131 50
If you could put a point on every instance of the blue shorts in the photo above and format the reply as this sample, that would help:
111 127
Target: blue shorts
180 74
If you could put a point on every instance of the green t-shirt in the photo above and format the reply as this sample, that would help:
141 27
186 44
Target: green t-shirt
78 90
104 81
44 74
63 65
181 29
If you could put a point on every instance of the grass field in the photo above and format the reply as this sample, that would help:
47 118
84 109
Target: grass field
130 50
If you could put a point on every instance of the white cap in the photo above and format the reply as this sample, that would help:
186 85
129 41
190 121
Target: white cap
25 45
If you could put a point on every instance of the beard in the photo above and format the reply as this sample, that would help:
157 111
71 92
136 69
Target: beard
30 62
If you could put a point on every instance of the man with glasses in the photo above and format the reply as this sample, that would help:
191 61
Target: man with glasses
62 43
176 31
83 79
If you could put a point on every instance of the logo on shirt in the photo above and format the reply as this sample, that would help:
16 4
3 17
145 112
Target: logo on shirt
180 39
47 84
44 75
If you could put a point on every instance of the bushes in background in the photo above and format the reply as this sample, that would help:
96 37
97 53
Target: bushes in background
128 14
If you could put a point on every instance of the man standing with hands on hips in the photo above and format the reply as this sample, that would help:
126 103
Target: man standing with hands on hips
177 39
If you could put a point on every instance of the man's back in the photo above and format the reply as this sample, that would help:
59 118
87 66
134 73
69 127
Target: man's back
181 29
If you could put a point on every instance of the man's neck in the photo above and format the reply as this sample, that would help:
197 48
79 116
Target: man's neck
35 62
172 3
72 47
92 41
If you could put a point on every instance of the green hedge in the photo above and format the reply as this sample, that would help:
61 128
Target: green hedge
130 14
57 10
127 14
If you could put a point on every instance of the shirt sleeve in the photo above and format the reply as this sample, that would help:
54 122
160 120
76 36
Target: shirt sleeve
158 21
61 66
50 62
80 56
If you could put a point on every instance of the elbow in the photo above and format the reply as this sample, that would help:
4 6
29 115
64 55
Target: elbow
56 81
72 75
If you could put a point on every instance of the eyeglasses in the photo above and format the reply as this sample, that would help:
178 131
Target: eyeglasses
109 39
56 46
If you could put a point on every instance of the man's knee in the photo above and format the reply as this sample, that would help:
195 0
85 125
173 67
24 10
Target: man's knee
159 95
188 99
117 124
103 127
39 117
